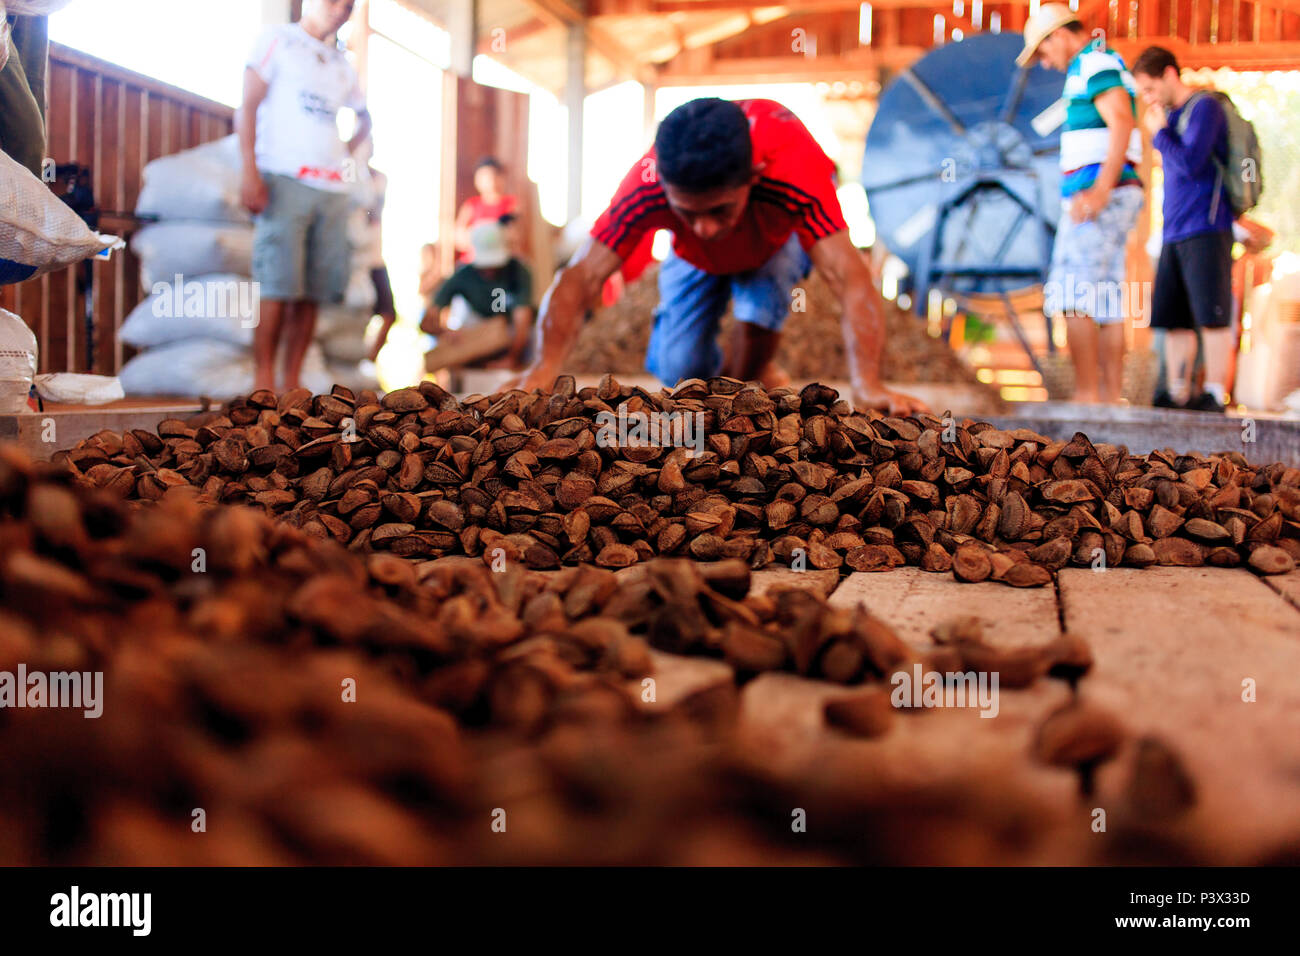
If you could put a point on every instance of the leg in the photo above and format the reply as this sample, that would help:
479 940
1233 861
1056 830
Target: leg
1115 306
1209 267
749 353
1110 362
279 262
298 333
1171 314
762 300
266 341
384 308
1218 351
1180 353
683 340
329 259
1081 332
1095 271
1069 293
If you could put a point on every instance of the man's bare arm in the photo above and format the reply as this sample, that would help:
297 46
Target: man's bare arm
252 189
1115 109
575 289
365 125
862 322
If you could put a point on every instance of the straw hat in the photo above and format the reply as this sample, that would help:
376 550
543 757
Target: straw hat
1049 18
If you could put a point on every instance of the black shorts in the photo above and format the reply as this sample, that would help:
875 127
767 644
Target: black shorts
1194 283
384 304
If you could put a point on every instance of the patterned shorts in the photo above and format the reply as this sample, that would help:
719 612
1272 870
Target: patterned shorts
1087 273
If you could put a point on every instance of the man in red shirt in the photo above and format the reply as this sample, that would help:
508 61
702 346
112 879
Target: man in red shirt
749 197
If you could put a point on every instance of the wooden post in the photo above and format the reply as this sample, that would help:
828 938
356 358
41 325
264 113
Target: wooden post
648 113
575 94
447 171
360 43
462 24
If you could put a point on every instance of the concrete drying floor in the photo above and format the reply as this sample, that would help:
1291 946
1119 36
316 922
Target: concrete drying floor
1172 647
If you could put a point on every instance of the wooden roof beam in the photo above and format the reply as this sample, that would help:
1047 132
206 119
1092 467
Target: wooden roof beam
788 69
561 13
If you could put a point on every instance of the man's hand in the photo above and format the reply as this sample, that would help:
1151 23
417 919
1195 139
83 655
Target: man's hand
535 376
1154 119
1089 203
886 400
253 193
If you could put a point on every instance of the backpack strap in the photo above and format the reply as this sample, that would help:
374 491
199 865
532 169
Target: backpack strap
1185 117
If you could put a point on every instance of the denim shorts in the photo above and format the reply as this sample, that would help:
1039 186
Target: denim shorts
301 250
684 339
1088 258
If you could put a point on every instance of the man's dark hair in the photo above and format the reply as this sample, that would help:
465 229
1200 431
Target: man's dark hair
490 162
704 145
1153 61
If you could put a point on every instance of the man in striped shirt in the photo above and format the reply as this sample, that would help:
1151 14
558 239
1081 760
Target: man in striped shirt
750 199
1102 195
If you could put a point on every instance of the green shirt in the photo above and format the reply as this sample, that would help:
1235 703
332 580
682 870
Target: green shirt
488 292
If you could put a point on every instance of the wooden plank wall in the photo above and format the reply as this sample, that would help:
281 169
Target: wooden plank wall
114 121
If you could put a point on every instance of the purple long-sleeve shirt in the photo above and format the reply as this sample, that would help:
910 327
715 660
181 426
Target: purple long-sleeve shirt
1190 174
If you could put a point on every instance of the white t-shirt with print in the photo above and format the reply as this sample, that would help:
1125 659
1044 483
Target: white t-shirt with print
297 124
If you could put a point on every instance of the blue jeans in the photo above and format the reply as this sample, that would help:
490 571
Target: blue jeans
684 340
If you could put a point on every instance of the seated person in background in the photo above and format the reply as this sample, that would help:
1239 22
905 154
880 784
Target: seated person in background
495 284
490 204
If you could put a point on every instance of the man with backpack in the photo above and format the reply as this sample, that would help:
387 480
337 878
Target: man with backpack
1210 177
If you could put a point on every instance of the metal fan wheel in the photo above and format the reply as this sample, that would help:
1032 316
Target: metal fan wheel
961 186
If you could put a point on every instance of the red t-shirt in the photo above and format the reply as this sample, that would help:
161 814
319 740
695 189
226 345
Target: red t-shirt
482 209
795 193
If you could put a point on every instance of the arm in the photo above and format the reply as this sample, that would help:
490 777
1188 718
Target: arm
364 126
863 323
575 289
1194 150
1114 107
462 226
253 189
428 280
522 317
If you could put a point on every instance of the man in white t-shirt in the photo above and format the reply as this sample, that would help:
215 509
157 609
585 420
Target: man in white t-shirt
297 178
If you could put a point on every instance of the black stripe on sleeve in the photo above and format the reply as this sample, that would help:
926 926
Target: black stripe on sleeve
818 217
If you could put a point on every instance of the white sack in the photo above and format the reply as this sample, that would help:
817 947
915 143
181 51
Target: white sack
75 388
192 249
200 183
38 232
17 363
221 306
208 367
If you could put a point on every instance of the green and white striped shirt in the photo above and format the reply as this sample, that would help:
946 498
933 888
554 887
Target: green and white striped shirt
1085 139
